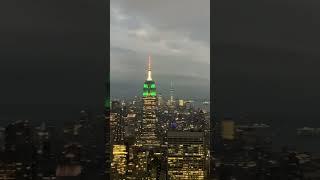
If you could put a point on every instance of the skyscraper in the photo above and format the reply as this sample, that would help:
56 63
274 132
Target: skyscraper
186 155
148 135
119 162
171 100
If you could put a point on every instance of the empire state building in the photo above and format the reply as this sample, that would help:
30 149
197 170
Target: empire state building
148 135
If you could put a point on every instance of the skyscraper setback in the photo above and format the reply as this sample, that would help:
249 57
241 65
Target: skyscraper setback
148 136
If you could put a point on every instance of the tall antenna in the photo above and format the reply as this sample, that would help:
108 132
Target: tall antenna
149 63
149 78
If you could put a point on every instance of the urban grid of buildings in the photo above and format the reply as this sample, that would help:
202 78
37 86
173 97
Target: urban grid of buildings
154 139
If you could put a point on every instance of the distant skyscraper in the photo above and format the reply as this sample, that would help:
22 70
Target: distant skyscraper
148 135
171 101
181 102
160 100
130 124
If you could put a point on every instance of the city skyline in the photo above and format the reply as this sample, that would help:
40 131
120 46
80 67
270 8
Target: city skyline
179 47
164 92
156 139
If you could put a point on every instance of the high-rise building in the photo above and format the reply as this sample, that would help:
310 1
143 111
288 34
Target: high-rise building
148 143
160 100
186 155
119 162
130 124
117 124
148 135
181 102
148 163
171 102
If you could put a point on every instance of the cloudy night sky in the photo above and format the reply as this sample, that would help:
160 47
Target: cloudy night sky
265 63
177 36
53 58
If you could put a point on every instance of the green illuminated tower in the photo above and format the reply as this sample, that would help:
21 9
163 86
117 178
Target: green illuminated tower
148 135
149 86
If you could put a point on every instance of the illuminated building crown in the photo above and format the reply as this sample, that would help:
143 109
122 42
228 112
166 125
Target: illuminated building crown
149 86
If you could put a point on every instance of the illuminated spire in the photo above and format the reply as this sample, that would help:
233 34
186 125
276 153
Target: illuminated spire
149 70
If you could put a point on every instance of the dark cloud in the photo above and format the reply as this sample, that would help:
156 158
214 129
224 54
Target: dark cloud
265 58
190 77
175 33
52 52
